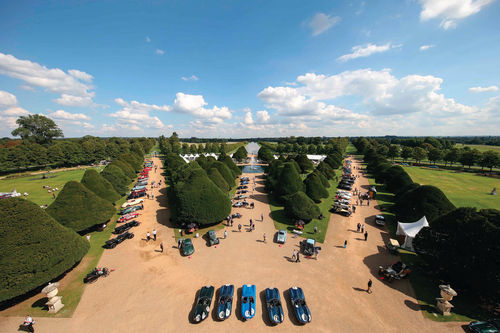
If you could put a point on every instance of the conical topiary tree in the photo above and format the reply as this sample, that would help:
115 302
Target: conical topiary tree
304 163
126 168
79 208
34 248
230 164
289 181
323 179
299 206
326 170
218 180
99 185
225 172
314 188
117 178
133 159
198 199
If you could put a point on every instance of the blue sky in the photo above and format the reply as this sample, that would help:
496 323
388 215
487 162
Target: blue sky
252 68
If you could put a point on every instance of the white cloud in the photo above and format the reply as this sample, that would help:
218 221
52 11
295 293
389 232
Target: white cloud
322 22
190 78
195 105
248 118
7 99
135 115
74 84
426 47
63 115
483 89
70 100
263 116
450 11
15 111
366 50
160 52
9 112
148 40
88 125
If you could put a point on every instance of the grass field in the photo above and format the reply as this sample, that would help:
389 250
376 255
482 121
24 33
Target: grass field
462 189
32 184
480 147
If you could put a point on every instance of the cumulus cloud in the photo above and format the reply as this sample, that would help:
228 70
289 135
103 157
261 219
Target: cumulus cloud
366 50
9 112
160 52
483 89
135 115
263 116
451 11
73 85
63 115
425 47
7 99
321 22
190 78
195 106
248 118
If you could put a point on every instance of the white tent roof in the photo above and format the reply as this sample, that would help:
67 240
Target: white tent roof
411 229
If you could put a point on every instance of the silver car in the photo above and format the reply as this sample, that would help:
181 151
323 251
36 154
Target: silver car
281 237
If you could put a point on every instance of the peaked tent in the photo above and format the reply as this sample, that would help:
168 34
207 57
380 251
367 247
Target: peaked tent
410 230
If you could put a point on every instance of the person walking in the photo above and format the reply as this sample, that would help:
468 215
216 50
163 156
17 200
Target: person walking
148 195
363 228
154 234
28 323
148 236
225 234
262 217
369 289
316 253
358 227
239 227
366 235
161 247
345 243
179 242
294 255
368 202
298 257
264 236
315 229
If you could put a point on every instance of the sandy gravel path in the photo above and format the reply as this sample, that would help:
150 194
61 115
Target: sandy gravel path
154 292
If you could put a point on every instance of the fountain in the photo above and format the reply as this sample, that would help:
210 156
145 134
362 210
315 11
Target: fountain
252 149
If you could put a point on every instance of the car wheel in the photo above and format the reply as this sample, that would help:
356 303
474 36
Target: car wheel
131 236
112 246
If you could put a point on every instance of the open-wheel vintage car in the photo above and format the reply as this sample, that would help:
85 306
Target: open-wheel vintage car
202 307
274 307
127 217
95 274
110 244
225 302
396 271
299 304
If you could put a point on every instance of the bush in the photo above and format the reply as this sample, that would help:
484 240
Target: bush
428 201
198 199
334 160
79 208
126 168
240 154
326 170
304 163
225 172
323 179
314 188
289 181
34 248
218 180
99 185
299 206
134 160
230 164
117 178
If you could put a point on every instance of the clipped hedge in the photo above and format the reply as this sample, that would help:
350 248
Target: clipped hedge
79 208
314 188
126 168
299 206
34 248
289 181
133 159
230 164
117 178
225 172
217 178
99 185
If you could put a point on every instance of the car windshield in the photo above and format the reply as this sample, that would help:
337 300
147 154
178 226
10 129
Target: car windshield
251 299
245 300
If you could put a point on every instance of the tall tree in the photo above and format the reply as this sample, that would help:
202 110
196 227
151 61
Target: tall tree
37 128
419 154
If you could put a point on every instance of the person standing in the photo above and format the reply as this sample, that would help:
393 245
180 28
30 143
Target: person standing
298 257
366 235
179 242
239 227
369 289
264 236
316 253
358 227
29 322
152 196
362 228
368 202
148 236
294 255
154 234
225 234
345 243
262 217
315 229
161 247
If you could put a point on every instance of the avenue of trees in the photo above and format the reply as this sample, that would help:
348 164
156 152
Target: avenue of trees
459 244
173 144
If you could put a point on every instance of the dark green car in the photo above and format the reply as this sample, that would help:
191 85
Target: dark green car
187 247
202 307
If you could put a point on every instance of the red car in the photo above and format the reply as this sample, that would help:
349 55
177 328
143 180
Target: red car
128 217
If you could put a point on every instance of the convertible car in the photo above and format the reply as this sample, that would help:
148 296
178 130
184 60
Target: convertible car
187 247
242 187
202 307
299 305
131 209
225 302
120 238
127 217
248 301
274 308
125 227
138 187
132 202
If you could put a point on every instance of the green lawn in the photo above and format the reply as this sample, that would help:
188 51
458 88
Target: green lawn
463 189
32 184
480 147
281 221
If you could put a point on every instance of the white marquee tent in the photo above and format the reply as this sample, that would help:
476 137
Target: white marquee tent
410 230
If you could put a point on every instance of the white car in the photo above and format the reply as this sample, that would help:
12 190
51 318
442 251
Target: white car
380 220
132 202
281 237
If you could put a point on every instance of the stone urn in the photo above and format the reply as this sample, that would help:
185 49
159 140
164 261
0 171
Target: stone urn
443 303
54 303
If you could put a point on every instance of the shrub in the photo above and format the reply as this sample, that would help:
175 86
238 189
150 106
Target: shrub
334 161
228 161
99 185
314 188
326 170
133 159
225 172
34 248
289 181
323 179
304 163
299 206
79 208
117 178
218 180
126 168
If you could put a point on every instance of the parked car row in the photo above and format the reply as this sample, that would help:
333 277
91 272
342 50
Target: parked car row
274 306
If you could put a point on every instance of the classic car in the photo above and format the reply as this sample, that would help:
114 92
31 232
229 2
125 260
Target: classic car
341 211
212 238
299 304
127 217
239 197
125 227
202 307
307 246
380 220
137 194
274 308
281 236
225 302
396 271
242 187
117 240
238 204
132 202
138 188
187 247
131 209
248 301
489 326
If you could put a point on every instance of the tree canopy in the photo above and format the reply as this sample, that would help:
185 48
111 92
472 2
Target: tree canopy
426 200
240 154
99 185
34 248
299 206
37 128
217 178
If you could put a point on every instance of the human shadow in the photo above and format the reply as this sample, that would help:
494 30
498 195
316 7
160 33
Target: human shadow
215 302
289 259
359 289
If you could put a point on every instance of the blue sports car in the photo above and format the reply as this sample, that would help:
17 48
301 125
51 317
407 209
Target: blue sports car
299 305
274 308
248 301
225 301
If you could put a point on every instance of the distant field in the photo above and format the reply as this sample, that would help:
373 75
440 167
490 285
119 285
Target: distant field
480 147
463 189
33 184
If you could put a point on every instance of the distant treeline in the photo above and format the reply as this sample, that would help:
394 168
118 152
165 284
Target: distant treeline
446 141
303 145
174 145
